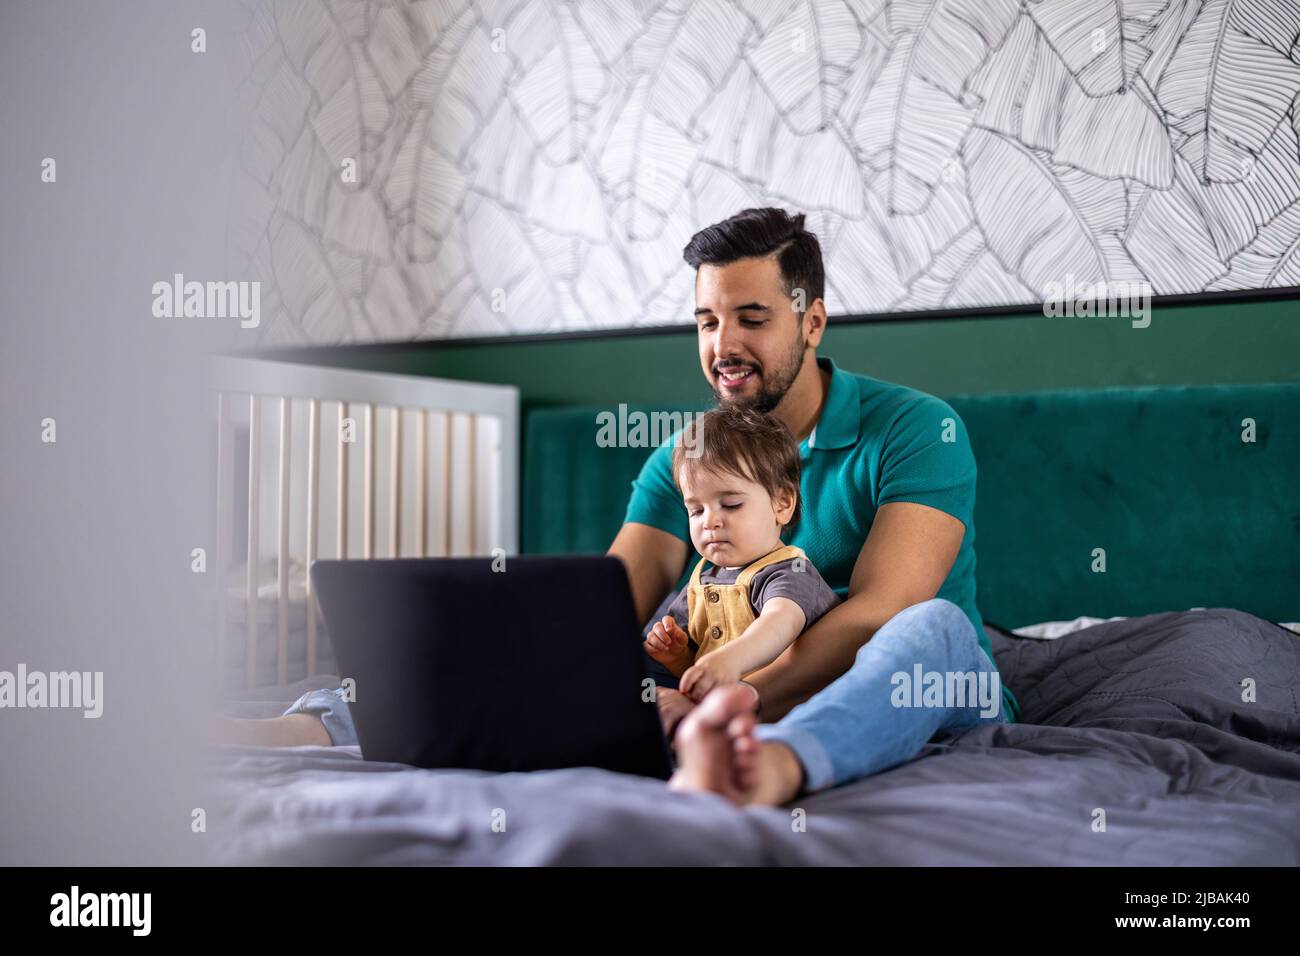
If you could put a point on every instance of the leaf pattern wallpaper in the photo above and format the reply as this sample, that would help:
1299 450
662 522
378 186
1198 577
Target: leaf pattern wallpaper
446 169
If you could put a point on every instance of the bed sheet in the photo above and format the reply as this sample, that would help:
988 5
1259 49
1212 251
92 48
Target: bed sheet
1143 723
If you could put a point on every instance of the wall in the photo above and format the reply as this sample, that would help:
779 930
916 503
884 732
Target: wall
463 168
100 524
1256 341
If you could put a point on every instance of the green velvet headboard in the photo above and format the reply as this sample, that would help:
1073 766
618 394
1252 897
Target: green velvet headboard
1188 513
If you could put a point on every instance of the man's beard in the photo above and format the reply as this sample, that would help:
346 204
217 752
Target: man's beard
772 385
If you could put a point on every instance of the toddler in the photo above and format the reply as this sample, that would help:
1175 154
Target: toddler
750 596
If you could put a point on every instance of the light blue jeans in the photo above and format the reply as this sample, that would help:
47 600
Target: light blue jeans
330 706
878 715
875 716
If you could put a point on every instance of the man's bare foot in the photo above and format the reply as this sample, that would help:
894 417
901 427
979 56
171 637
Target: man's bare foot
673 708
294 730
718 752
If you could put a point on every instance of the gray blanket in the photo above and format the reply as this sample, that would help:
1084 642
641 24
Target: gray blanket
1140 724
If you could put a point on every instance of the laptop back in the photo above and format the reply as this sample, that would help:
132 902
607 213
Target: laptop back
534 666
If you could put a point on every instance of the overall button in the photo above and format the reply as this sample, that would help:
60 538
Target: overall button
715 632
713 597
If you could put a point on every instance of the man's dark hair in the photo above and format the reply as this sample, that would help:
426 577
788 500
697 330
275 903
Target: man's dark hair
761 232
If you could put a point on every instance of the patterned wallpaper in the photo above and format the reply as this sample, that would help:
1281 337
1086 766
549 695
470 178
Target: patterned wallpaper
444 168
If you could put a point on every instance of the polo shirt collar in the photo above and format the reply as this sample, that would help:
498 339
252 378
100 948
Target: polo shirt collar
841 415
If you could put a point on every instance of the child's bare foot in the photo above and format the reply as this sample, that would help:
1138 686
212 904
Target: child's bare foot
294 730
718 752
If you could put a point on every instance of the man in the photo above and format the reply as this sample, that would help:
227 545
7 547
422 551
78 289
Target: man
889 492
888 486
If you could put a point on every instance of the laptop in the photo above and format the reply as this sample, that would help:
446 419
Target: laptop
535 666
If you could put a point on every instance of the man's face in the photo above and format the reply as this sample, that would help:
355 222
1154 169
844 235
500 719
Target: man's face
752 344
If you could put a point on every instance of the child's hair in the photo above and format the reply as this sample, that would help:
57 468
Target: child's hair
732 439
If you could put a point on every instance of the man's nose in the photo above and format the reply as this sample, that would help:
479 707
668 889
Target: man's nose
726 343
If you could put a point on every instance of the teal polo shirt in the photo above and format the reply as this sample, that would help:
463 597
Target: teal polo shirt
875 442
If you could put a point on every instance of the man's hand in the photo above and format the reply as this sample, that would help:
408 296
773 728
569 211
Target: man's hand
904 561
673 706
668 644
712 670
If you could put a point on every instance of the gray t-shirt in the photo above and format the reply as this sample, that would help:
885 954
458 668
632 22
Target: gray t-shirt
806 588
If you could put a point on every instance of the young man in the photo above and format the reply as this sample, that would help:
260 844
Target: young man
888 486
889 492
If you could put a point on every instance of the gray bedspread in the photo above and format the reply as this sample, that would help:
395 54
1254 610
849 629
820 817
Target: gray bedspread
1142 719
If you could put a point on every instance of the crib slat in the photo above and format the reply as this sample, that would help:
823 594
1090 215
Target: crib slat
368 487
421 482
395 487
342 522
282 550
448 418
254 530
472 455
313 522
225 523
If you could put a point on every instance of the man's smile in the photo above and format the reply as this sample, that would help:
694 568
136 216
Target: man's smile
736 376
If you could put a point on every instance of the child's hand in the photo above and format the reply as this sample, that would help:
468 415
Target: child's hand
712 670
668 644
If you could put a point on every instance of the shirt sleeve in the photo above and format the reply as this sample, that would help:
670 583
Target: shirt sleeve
806 588
927 459
655 499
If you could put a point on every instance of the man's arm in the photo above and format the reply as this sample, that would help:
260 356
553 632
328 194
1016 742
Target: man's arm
654 561
904 561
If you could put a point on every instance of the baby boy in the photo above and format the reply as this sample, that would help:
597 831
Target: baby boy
750 596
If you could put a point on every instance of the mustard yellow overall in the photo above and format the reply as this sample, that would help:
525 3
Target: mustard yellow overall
719 613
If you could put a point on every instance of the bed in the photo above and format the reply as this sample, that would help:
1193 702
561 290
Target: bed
1163 730
1135 724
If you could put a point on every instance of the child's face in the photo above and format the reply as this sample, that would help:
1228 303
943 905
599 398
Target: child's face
734 521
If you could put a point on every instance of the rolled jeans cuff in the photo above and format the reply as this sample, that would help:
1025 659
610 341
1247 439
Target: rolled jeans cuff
329 705
817 770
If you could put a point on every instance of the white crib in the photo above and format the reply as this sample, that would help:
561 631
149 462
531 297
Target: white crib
436 475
